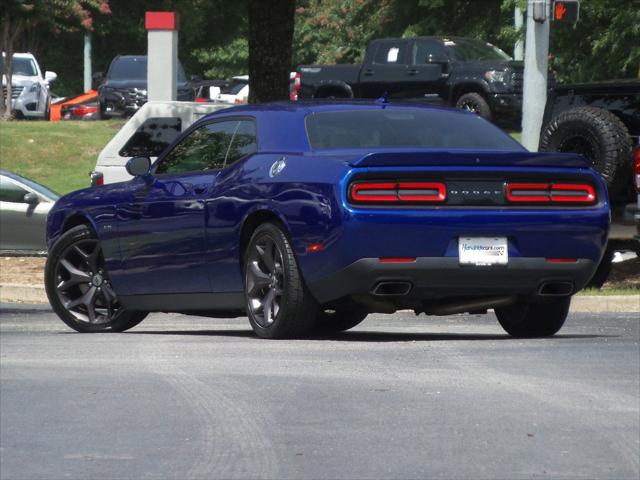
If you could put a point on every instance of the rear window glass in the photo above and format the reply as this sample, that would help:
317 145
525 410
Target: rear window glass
152 137
424 128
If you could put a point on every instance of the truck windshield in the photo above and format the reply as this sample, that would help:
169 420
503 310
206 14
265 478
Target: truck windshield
135 68
468 50
405 127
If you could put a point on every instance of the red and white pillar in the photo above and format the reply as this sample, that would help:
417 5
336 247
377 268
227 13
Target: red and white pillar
162 51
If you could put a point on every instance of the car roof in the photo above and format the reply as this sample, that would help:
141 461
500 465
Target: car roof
31 184
306 107
21 55
281 125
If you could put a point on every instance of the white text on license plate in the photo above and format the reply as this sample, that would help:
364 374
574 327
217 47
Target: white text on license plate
483 250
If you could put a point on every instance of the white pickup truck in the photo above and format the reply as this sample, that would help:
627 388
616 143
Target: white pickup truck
147 133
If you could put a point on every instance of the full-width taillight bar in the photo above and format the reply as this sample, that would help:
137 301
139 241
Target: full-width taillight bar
398 192
551 193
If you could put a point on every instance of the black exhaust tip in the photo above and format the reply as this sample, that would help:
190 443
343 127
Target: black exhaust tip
392 289
556 289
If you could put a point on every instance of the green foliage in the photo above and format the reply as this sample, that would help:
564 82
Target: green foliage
224 61
603 44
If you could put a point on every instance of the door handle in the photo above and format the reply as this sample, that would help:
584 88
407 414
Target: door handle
368 72
413 71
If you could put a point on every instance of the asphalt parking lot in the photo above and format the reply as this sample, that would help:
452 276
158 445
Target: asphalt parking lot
398 397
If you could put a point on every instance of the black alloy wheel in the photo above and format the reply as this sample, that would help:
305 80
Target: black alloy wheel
79 287
277 301
264 278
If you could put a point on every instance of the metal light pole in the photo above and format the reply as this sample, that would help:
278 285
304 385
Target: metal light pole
536 54
518 48
87 61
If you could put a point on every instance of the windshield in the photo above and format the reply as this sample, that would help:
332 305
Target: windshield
468 50
135 68
235 87
21 66
405 127
41 189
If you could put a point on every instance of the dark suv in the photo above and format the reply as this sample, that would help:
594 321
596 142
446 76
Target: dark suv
123 89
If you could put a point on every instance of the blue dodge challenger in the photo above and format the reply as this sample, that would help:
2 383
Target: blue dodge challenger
309 216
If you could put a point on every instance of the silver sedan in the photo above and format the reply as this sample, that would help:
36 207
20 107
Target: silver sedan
24 205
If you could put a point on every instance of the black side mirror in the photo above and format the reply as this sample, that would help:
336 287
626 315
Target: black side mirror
138 166
97 79
31 199
437 58
195 78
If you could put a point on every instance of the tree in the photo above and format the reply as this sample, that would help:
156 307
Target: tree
270 45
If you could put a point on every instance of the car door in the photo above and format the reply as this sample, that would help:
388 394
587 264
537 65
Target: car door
426 75
162 227
22 224
386 71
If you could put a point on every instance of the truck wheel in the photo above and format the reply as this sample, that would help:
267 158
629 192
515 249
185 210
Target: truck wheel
598 135
474 102
603 270
529 320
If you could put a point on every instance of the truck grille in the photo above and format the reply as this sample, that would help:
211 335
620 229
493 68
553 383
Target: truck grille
135 96
16 90
517 79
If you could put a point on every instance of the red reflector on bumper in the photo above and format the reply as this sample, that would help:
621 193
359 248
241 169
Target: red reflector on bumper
315 247
561 260
397 259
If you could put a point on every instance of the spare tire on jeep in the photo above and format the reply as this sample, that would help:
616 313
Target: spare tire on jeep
598 135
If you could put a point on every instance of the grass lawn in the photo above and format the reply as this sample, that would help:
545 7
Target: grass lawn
59 155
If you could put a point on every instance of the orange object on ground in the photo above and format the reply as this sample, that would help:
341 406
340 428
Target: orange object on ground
55 114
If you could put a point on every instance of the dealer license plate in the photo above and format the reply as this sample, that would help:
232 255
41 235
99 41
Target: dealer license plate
483 250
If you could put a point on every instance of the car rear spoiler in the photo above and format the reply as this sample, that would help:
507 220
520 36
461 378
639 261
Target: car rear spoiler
466 158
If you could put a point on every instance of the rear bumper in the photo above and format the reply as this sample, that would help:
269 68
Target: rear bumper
443 277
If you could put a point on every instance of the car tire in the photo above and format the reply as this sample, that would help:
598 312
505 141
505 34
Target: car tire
278 303
79 288
476 103
598 135
526 319
604 269
339 320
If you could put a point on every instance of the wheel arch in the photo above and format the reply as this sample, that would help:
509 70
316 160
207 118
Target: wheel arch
325 89
467 87
75 219
253 220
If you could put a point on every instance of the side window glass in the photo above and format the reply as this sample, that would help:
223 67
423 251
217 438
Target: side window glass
205 148
244 142
389 53
152 137
10 192
422 50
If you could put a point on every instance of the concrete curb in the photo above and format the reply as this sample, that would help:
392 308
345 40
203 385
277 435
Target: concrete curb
12 293
606 303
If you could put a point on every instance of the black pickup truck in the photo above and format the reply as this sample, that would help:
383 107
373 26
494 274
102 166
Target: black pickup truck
601 121
462 72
